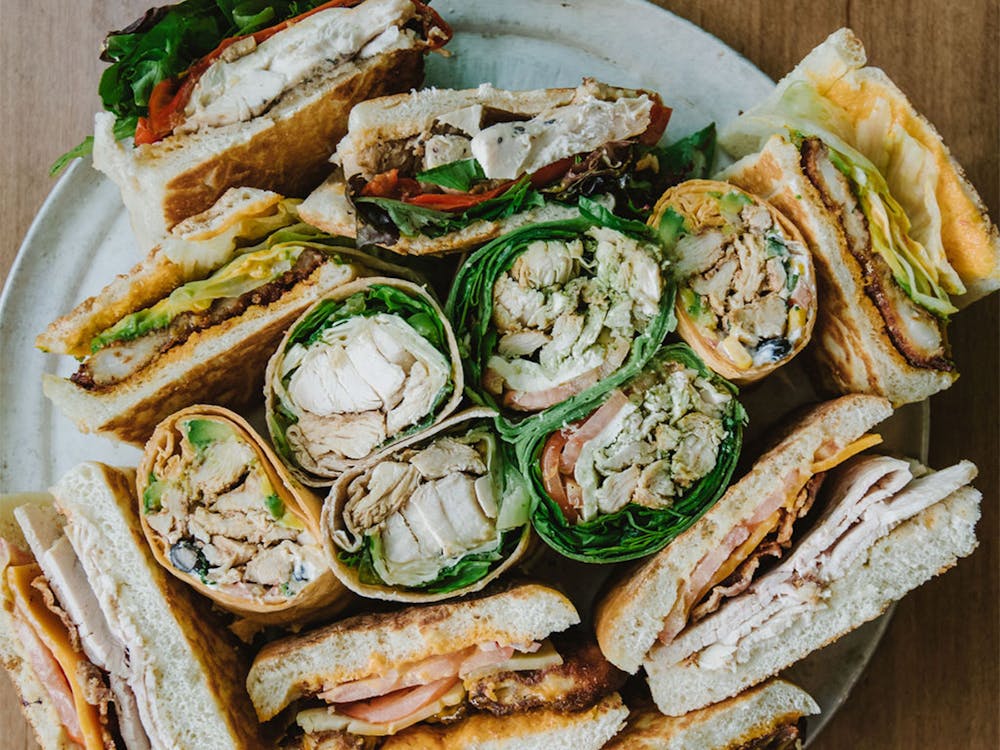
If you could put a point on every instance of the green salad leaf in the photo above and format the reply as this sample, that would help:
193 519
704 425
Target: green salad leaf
458 175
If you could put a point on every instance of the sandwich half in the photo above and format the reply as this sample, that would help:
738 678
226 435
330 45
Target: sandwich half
202 97
440 171
767 717
811 543
461 674
105 649
900 239
197 319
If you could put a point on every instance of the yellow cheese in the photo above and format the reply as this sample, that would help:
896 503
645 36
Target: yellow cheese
52 633
862 443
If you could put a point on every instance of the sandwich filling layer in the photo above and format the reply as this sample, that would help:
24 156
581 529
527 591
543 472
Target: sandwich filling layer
497 679
258 276
865 500
220 518
915 330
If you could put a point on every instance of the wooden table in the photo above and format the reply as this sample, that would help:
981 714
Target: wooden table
935 680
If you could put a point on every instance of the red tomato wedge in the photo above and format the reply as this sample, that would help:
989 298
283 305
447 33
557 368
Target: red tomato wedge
398 705
590 429
552 480
659 116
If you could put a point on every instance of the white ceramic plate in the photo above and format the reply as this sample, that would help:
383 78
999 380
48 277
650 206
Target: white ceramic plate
81 237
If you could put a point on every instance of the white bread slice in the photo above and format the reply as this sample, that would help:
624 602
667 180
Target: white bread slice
285 149
191 677
850 341
368 645
837 69
35 702
223 365
913 553
732 724
630 617
589 729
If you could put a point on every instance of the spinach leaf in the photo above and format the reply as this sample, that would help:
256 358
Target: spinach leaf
458 175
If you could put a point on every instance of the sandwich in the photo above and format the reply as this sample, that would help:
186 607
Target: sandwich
616 473
439 516
767 717
105 649
442 171
222 513
196 320
900 239
489 671
551 310
815 540
746 291
369 364
204 96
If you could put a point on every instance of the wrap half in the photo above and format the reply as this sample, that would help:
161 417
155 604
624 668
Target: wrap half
746 290
370 364
551 310
616 475
222 513
439 516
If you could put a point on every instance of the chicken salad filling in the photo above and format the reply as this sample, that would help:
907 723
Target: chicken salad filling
357 375
221 519
434 516
617 472
565 314
745 284
646 445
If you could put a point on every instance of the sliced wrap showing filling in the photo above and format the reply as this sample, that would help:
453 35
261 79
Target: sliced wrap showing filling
864 499
619 474
548 311
222 514
441 516
358 372
746 299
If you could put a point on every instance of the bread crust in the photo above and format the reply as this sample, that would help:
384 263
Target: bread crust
589 729
728 725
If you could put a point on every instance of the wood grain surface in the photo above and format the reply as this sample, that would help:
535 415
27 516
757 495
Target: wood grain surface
935 680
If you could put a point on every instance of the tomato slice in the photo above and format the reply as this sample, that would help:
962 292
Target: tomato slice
552 479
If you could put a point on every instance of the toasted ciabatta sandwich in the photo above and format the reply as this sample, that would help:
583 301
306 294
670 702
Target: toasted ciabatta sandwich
440 170
767 717
900 238
480 672
196 321
105 649
245 98
810 544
